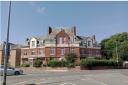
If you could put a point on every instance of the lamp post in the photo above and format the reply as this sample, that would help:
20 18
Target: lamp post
117 57
6 50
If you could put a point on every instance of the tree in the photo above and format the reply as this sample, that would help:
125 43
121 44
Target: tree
123 51
108 46
70 59
37 63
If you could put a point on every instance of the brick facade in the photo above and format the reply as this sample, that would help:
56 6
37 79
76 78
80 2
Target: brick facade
57 44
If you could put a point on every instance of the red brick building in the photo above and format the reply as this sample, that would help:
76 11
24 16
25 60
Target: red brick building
58 43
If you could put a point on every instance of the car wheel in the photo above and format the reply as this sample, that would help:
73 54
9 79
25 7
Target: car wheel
17 73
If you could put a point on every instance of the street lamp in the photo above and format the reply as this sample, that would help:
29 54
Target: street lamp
117 57
6 50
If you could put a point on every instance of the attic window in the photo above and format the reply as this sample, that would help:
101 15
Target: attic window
37 42
33 43
89 43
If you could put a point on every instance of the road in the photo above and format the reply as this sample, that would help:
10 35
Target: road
87 77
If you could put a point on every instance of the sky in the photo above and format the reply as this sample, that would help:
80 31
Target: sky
98 18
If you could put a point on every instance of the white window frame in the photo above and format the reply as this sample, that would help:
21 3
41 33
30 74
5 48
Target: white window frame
52 51
62 51
33 43
89 43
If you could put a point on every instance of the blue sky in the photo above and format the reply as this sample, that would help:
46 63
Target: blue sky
102 19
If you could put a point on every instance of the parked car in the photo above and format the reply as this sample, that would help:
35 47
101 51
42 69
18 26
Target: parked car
11 71
125 64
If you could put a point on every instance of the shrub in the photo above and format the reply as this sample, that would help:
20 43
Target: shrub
90 62
70 59
63 63
83 63
25 65
56 63
37 63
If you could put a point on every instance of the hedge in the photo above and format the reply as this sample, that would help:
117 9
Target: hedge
37 63
56 63
25 65
94 62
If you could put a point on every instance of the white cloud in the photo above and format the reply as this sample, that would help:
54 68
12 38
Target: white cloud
32 3
36 8
41 10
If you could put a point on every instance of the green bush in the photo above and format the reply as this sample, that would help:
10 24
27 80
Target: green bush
37 63
25 65
83 63
70 65
89 62
56 63
70 59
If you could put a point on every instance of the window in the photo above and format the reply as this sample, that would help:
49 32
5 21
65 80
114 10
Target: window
64 40
33 43
62 51
72 39
52 51
97 53
41 51
33 52
82 52
60 40
89 43
25 53
90 52
72 50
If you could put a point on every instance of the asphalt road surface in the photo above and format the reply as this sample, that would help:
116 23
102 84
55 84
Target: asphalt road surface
87 77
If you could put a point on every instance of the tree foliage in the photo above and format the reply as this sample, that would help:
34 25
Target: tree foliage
108 46
37 63
70 59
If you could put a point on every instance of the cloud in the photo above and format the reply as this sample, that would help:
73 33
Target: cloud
41 10
32 4
37 8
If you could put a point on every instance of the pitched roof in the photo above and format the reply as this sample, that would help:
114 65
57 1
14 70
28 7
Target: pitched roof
55 31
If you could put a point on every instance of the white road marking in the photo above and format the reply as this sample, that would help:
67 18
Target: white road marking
56 70
23 82
19 83
41 82
67 83
95 81
88 75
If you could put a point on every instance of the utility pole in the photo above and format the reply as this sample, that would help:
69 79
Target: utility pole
117 57
6 50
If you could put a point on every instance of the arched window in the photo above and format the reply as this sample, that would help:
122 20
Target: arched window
60 40
65 40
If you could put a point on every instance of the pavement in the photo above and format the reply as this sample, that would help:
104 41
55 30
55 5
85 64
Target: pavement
84 77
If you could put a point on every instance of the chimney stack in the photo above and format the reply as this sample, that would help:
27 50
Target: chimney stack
93 37
49 30
74 29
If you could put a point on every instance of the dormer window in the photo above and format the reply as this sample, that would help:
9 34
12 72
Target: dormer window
89 43
37 42
33 43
